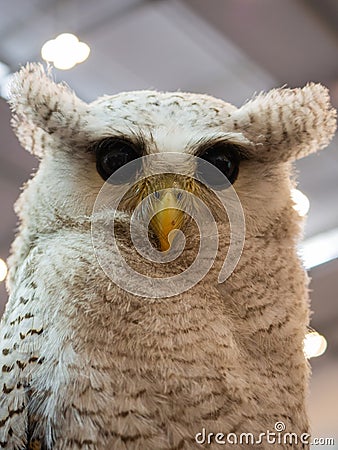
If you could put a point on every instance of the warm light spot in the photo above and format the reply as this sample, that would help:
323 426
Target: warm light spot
3 270
302 203
314 344
65 51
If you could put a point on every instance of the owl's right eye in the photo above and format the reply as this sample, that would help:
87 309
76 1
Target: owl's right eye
111 155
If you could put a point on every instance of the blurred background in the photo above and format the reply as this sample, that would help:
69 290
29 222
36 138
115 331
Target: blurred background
226 48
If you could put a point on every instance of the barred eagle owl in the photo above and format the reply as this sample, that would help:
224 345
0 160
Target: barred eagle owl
88 363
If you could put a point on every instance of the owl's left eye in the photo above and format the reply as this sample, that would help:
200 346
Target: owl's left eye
223 156
111 155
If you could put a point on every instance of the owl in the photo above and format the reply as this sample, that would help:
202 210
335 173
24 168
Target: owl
92 357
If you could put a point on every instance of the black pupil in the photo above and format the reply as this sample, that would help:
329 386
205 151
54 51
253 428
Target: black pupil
111 155
225 158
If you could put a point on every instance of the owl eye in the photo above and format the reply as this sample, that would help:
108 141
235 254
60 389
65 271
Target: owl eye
225 157
111 155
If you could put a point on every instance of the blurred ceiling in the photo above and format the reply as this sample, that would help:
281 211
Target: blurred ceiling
229 49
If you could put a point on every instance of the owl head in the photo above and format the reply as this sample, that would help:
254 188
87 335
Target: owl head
82 145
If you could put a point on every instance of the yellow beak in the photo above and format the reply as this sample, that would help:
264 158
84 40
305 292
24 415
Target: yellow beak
167 218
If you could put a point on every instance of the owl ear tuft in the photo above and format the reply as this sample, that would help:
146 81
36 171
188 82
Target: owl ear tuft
287 124
42 108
